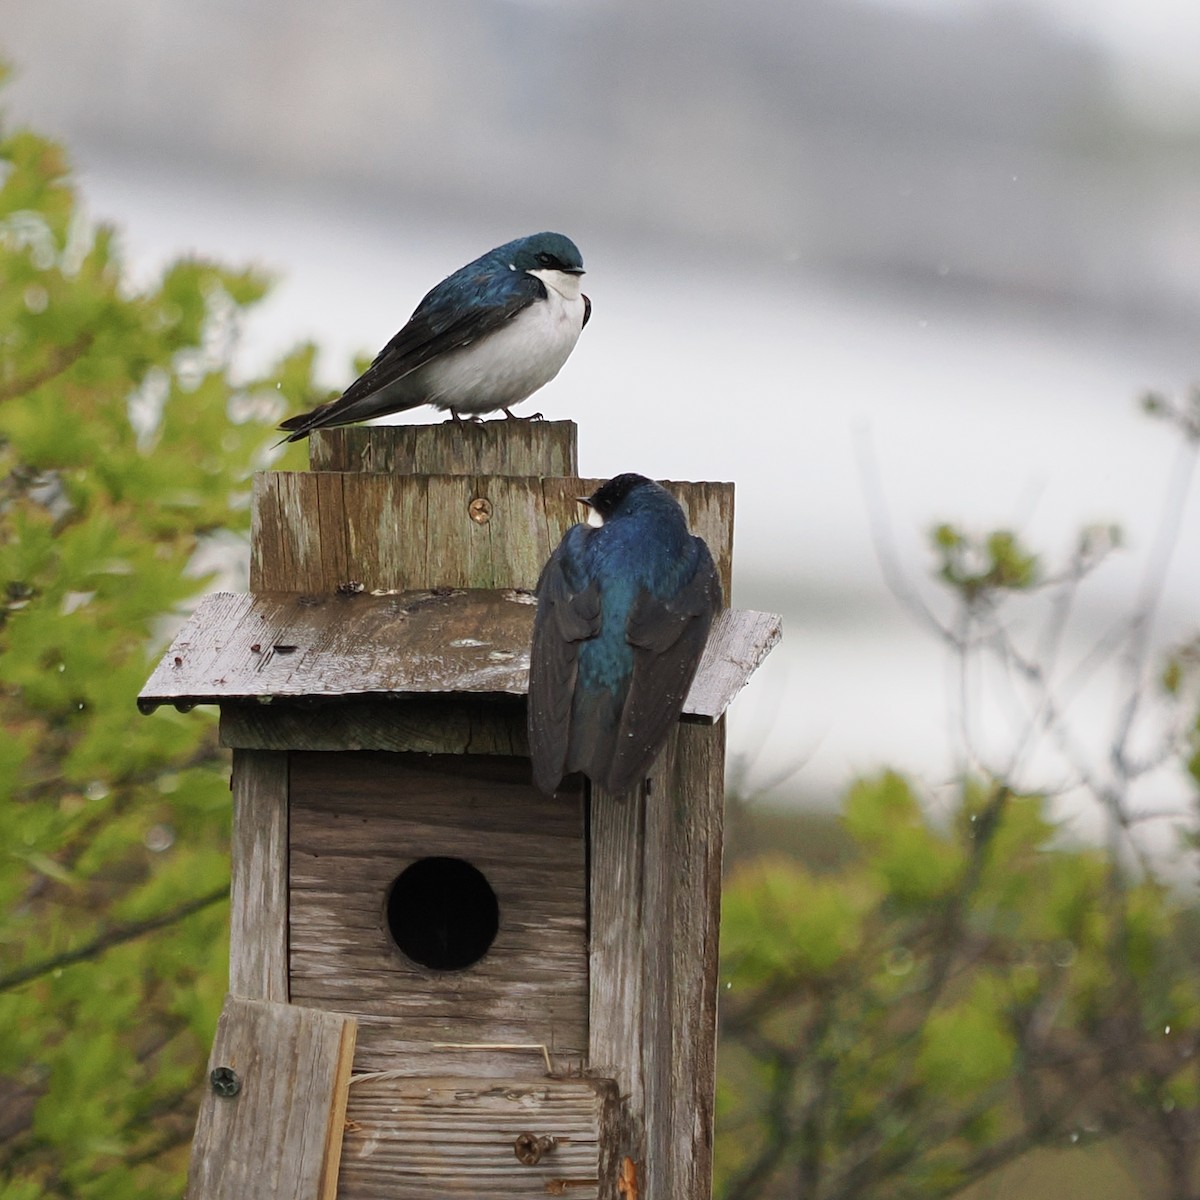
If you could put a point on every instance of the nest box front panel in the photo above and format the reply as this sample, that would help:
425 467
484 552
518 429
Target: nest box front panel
441 900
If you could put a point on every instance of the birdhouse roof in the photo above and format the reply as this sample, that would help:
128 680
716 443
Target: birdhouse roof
280 647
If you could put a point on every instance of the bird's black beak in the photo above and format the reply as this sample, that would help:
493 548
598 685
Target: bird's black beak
573 271
585 500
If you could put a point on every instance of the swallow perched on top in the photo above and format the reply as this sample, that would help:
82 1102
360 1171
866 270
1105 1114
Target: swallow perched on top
624 608
484 339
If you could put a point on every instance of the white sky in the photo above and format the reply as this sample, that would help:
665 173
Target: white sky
1155 42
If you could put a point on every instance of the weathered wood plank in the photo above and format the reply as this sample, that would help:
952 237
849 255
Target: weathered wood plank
276 646
616 825
738 642
457 546
258 918
396 531
358 820
424 725
283 645
684 886
488 448
280 1136
332 527
424 1139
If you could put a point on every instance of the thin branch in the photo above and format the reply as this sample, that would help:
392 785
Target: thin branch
748 1182
1151 591
883 540
61 359
113 937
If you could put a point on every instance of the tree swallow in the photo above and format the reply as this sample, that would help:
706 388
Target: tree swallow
484 339
624 608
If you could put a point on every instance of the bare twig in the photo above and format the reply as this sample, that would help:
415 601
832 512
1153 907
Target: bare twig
113 937
61 358
883 540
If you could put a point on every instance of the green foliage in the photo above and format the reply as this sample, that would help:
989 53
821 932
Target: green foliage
887 1033
978 565
913 864
963 993
815 924
123 444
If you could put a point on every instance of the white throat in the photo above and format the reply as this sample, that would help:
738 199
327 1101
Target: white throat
594 519
567 286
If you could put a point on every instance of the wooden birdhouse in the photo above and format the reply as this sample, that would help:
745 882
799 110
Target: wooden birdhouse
442 982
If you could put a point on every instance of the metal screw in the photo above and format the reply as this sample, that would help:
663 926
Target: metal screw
480 509
529 1148
225 1081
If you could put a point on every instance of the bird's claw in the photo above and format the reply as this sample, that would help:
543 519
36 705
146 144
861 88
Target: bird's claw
512 416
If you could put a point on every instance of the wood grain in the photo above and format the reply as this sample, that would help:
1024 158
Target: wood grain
358 820
684 888
655 892
258 917
316 531
738 642
279 1137
427 1138
617 832
488 448
281 646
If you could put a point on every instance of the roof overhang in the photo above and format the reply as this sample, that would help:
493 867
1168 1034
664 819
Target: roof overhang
282 648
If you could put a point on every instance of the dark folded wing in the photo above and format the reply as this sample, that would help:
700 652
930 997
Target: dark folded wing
668 638
566 616
448 318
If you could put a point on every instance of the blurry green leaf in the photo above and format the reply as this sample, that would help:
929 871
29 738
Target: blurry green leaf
966 1047
118 457
777 920
916 864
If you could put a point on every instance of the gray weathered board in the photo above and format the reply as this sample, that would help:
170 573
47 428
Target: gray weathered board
486 448
258 896
273 646
316 531
280 1136
655 880
357 821
425 1139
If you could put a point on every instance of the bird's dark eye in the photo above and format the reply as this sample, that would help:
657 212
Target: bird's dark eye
547 260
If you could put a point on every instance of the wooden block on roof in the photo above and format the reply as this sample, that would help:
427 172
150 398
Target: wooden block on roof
316 531
472 448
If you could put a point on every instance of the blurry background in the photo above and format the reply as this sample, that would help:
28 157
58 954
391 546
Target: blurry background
953 239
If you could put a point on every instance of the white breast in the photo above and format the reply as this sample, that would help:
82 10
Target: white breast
505 367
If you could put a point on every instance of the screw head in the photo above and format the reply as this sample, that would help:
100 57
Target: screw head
225 1081
480 510
529 1148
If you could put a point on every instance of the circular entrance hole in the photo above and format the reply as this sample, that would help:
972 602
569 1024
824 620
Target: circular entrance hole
443 913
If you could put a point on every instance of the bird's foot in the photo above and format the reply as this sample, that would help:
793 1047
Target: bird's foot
512 416
473 419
